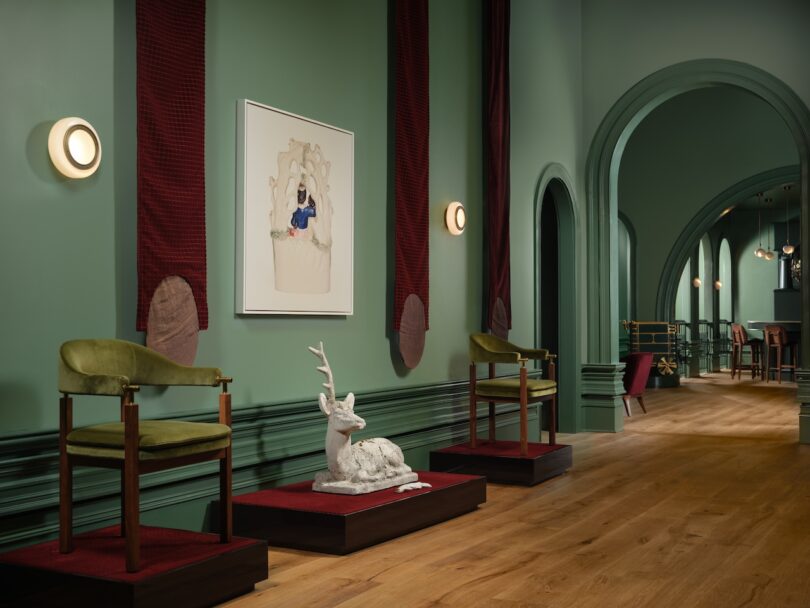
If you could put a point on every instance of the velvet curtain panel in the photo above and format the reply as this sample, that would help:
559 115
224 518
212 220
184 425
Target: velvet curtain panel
411 123
496 165
171 149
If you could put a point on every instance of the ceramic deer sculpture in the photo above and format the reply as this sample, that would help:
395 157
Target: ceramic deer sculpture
366 466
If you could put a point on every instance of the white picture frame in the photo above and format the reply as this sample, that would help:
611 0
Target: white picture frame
294 214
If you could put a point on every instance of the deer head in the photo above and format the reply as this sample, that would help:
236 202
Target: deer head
340 413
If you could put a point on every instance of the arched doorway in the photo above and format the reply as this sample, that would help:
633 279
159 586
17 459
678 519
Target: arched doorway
603 369
557 325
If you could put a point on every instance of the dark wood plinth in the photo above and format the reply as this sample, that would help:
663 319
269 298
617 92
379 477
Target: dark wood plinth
504 465
40 576
341 524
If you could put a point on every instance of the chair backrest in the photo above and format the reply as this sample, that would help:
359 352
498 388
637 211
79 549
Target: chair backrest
105 367
738 334
637 372
488 348
775 334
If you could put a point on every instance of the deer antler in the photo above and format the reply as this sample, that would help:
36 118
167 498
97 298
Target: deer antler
329 385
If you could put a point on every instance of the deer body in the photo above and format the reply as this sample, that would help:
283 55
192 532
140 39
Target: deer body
367 466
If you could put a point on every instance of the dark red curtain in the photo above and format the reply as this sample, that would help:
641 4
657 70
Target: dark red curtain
496 152
411 124
171 148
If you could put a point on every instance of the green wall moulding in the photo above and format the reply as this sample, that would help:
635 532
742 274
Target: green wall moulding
273 444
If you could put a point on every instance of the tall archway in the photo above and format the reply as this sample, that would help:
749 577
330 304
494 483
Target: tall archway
703 221
555 187
601 374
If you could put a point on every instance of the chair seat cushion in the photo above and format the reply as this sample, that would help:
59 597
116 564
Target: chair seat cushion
509 388
158 439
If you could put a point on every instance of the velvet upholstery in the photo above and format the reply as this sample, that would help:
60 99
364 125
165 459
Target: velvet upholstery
637 372
487 348
118 368
107 367
154 435
509 388
491 349
181 451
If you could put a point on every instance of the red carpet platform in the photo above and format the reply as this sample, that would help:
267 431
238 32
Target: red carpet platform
501 462
294 516
178 568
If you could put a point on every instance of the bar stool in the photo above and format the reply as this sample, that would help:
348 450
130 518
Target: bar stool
776 339
739 340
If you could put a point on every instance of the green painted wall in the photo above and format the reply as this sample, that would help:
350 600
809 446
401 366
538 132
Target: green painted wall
57 237
683 154
624 41
546 106
70 246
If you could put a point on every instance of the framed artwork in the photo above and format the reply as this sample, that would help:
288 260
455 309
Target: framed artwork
295 214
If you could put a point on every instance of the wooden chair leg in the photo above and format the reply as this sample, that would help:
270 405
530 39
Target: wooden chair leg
779 363
760 364
225 476
473 409
123 503
225 498
626 399
491 422
734 352
65 477
767 364
524 414
733 360
552 422
641 403
753 364
131 488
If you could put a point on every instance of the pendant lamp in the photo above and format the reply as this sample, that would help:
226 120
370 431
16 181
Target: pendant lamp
787 248
769 254
759 252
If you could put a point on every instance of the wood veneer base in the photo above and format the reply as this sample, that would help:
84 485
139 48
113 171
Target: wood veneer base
36 578
504 469
341 533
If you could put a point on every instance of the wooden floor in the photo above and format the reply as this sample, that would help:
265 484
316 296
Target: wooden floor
704 501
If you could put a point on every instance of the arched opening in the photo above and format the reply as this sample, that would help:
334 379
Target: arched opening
726 285
549 281
557 289
549 278
604 159
627 279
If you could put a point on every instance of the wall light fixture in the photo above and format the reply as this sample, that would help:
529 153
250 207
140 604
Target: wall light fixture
455 218
74 147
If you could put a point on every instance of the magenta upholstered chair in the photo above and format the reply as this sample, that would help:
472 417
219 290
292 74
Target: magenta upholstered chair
636 374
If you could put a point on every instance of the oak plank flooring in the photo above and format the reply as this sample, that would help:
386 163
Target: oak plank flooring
704 501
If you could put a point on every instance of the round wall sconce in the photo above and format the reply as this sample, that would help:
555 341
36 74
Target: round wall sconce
696 282
74 147
455 218
718 284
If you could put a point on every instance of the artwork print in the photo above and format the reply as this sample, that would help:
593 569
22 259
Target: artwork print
295 204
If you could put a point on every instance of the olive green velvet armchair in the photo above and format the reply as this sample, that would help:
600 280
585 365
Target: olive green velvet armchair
486 348
117 368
